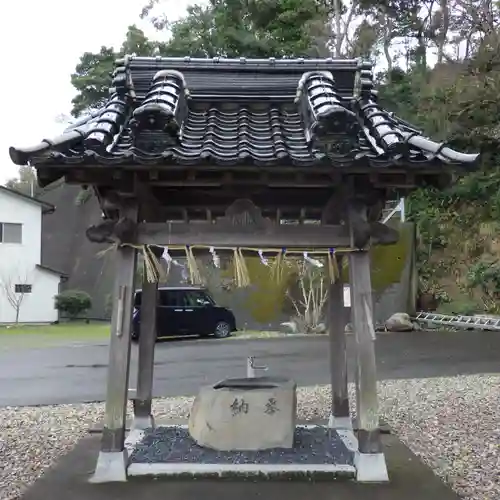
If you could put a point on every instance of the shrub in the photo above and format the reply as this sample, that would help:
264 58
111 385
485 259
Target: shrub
73 303
83 196
464 307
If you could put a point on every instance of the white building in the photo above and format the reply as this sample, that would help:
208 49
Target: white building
27 288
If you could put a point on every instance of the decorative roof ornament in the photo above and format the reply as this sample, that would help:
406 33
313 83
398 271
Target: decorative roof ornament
164 107
324 114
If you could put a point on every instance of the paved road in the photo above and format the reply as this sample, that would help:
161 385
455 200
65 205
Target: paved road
77 373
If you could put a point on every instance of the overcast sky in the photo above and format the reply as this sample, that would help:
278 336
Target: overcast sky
41 44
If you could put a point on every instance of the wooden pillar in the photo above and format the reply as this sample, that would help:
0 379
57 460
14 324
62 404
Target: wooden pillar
337 318
112 461
143 417
413 292
370 461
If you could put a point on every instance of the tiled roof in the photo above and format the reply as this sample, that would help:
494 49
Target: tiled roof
165 111
46 207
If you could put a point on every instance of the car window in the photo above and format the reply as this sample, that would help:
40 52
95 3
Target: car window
165 298
183 298
198 298
172 298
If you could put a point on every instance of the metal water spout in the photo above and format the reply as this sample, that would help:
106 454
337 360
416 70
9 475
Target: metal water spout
252 368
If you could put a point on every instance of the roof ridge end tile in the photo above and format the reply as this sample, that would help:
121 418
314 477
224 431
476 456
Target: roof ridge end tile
326 118
165 106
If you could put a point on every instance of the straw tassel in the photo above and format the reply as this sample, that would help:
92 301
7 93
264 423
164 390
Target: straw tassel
194 271
244 268
278 266
333 268
102 253
150 271
153 269
242 276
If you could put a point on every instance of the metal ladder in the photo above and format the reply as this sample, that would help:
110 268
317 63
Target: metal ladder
392 208
473 322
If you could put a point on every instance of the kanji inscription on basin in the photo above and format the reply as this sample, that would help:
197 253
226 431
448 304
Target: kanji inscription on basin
239 406
271 406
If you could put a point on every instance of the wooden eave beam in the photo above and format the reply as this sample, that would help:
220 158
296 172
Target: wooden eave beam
275 236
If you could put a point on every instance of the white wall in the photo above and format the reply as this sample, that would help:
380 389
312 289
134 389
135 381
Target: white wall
18 263
37 306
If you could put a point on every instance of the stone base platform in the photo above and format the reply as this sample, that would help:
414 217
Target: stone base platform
68 478
170 451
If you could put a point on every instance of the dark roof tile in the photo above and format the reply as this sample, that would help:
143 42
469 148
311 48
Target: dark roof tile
257 78
107 124
243 112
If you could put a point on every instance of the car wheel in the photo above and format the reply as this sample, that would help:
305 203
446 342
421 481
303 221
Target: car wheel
222 330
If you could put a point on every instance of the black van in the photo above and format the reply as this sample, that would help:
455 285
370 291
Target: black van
186 311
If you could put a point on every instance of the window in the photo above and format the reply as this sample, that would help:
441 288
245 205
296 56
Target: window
197 298
11 233
170 298
23 288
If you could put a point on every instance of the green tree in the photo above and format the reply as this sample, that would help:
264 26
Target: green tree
457 101
231 28
249 28
25 182
91 79
92 76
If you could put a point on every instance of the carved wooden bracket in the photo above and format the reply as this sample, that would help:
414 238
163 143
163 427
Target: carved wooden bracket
337 207
244 215
123 230
360 212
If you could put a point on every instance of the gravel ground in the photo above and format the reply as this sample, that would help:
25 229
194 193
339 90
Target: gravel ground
174 444
452 423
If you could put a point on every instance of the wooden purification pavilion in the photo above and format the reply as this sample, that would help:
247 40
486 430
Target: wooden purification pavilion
216 153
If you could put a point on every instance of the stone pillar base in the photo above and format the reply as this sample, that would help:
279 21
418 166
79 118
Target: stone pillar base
111 467
371 468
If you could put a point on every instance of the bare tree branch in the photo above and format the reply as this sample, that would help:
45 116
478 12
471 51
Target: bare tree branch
8 286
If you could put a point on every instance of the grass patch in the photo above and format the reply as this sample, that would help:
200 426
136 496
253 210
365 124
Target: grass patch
258 334
74 329
40 335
